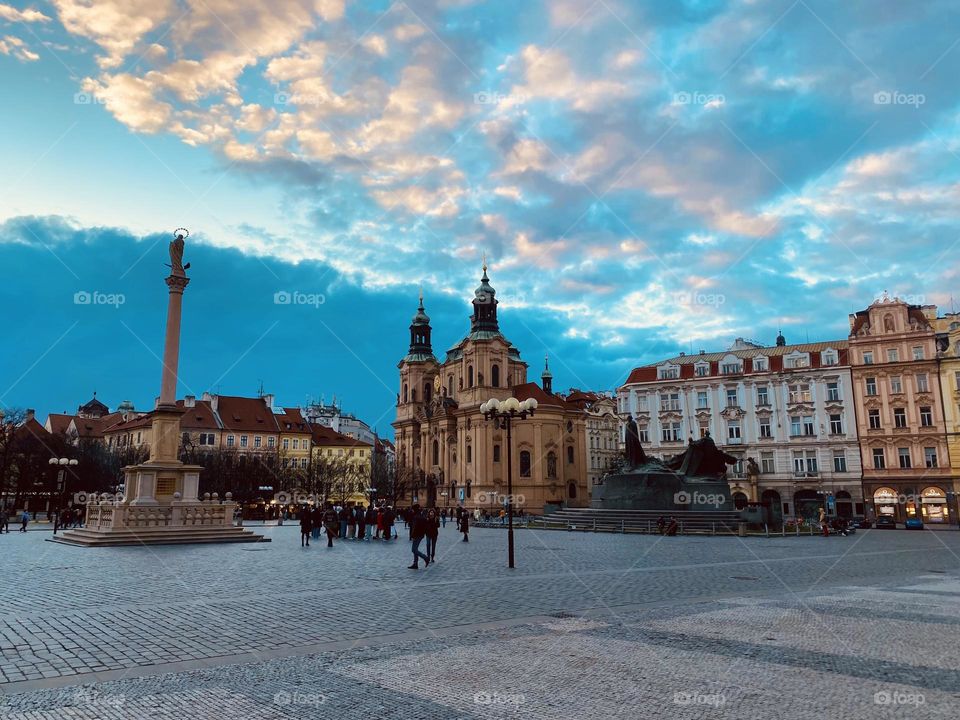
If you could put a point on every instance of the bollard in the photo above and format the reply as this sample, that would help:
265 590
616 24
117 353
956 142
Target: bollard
622 527
766 529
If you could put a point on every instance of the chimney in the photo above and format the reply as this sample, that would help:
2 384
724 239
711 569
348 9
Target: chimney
30 414
268 399
682 354
189 401
206 396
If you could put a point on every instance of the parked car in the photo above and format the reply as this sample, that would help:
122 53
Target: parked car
913 523
885 522
862 523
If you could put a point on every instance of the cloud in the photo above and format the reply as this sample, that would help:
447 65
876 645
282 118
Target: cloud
14 46
27 15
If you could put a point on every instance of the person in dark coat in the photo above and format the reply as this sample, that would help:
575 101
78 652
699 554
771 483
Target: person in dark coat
306 525
332 523
372 522
418 530
672 527
465 526
388 519
433 532
317 521
361 518
344 516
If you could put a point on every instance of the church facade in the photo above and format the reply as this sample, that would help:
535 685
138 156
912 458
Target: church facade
444 442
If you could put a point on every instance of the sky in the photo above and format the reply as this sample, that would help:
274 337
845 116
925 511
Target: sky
643 178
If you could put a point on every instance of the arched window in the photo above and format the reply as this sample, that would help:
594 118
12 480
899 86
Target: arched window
739 500
470 376
450 385
524 463
569 454
551 464
404 392
496 453
436 453
469 453
495 375
572 491
413 395
426 391
569 426
888 323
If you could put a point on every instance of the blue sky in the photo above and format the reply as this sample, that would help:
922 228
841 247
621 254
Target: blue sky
644 177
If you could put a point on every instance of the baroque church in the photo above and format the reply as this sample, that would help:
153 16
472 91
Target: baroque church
443 438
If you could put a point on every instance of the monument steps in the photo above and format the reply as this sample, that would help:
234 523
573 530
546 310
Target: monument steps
642 521
180 535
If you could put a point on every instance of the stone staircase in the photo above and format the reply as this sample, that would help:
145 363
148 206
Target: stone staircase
179 535
715 522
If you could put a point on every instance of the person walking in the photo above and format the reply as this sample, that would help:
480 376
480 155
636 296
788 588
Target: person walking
418 530
332 523
306 526
433 533
4 520
24 519
443 518
316 521
465 526
342 514
361 517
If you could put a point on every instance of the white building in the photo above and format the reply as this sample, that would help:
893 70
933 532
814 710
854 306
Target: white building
602 437
789 408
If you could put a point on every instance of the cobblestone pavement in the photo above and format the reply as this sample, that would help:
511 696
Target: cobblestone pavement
586 626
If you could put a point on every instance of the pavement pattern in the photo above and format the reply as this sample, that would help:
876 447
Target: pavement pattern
587 625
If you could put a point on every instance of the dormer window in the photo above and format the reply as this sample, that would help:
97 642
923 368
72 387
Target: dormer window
731 368
702 370
829 357
798 361
760 364
669 372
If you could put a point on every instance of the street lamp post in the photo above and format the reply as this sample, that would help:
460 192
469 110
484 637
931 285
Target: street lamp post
503 414
62 464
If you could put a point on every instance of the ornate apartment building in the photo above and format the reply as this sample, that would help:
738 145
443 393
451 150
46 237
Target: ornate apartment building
900 390
785 411
442 436
603 432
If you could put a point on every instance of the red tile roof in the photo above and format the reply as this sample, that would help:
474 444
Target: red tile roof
58 423
240 414
198 417
325 436
32 428
532 390
292 421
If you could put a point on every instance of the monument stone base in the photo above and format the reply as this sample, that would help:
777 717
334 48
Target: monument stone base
665 491
163 509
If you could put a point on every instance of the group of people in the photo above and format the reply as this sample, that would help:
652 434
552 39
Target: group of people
24 518
346 523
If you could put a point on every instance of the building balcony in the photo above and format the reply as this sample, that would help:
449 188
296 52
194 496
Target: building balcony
806 474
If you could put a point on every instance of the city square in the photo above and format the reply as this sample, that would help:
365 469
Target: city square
587 625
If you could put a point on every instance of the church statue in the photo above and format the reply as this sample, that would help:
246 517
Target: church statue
176 257
634 450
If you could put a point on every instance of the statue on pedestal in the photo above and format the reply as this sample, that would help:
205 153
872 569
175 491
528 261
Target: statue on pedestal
634 450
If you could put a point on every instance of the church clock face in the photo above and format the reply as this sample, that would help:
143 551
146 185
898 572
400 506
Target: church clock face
436 384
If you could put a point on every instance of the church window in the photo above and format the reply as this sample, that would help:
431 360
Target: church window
524 463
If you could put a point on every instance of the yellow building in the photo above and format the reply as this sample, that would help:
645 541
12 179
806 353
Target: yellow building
341 466
948 341
295 440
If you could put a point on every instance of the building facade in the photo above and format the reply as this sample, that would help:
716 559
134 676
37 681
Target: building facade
444 442
903 432
602 436
786 412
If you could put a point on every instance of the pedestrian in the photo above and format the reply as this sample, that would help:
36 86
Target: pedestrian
331 523
672 527
361 516
388 519
380 516
24 519
459 517
443 518
306 526
343 521
4 520
465 527
351 523
661 524
316 521
418 530
371 521
433 533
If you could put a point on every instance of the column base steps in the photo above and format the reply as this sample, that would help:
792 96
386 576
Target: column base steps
724 522
188 535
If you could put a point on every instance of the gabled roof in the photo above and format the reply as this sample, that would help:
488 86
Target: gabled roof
32 429
198 417
58 423
92 428
242 414
291 420
132 423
